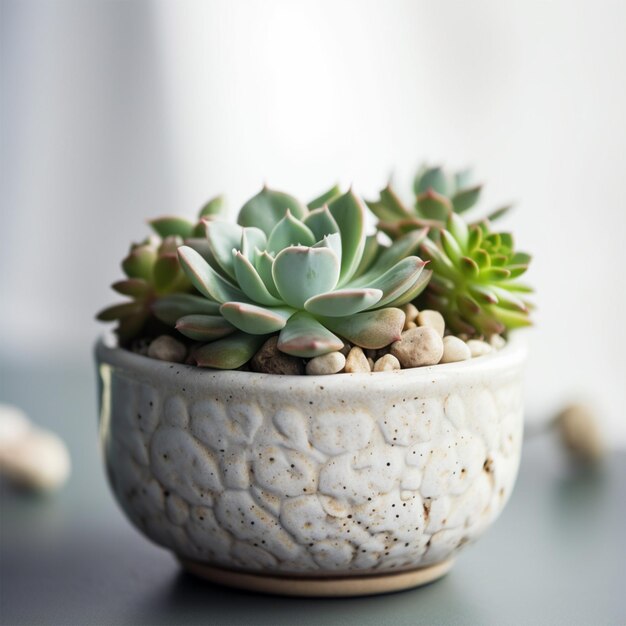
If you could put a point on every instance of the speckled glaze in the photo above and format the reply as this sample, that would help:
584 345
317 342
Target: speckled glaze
340 475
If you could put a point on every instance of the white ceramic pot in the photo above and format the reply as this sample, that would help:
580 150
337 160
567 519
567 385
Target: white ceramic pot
312 485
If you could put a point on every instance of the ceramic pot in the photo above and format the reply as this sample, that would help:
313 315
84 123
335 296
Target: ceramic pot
312 485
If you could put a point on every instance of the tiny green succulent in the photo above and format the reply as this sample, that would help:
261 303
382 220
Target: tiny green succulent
155 281
474 282
309 274
437 194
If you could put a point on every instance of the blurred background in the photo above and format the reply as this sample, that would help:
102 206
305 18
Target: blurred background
113 112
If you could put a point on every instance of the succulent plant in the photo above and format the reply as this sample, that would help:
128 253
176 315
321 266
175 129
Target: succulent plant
310 275
474 282
437 194
155 281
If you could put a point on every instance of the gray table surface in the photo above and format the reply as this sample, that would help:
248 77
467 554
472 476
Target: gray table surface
557 555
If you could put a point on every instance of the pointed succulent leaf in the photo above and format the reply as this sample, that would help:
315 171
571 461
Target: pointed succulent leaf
166 271
403 247
497 214
264 264
469 267
205 279
463 179
506 241
370 329
397 279
171 225
451 247
256 320
332 241
139 262
410 294
509 301
267 208
371 250
326 197
466 198
389 206
495 274
289 232
321 223
252 239
458 229
349 213
228 353
343 302
431 178
204 327
434 206
118 311
169 309
474 239
223 237
483 294
482 259
516 270
213 208
300 273
251 283
133 287
520 258
305 337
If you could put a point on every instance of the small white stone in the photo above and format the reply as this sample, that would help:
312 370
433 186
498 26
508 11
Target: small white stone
409 325
433 319
497 342
331 363
14 425
387 363
166 348
419 346
478 347
454 350
356 361
370 362
39 461
411 312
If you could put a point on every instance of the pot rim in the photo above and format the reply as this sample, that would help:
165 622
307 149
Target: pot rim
511 355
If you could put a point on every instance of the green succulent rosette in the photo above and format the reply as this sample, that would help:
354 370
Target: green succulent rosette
307 273
438 192
153 272
475 279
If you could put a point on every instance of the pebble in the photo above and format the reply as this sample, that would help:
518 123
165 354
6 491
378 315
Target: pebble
419 346
331 363
578 427
409 325
166 348
454 349
411 312
497 342
432 319
478 347
31 457
370 362
356 361
387 363
270 360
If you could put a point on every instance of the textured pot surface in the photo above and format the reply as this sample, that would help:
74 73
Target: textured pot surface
348 474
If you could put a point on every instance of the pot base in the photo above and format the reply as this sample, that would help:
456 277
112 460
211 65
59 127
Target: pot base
320 587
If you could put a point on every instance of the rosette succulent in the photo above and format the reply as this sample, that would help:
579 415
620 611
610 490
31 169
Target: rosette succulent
155 281
437 194
474 283
310 275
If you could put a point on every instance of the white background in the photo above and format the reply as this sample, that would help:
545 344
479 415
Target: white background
112 112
